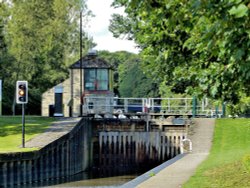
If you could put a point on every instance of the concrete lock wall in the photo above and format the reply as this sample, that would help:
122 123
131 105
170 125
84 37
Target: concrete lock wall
137 148
66 156
99 143
125 144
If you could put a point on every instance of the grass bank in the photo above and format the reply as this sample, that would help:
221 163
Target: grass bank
11 131
229 161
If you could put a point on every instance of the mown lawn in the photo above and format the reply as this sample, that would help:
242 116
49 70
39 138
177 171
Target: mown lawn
228 164
11 131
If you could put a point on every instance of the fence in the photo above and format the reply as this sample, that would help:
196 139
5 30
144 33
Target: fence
182 106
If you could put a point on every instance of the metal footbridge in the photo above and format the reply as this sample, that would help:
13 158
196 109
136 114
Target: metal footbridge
114 107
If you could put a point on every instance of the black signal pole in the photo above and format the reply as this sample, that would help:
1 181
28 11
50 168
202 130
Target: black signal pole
22 98
81 102
23 127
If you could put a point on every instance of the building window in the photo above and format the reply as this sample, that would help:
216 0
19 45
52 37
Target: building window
96 79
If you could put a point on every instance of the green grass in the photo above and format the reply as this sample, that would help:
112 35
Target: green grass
227 163
11 131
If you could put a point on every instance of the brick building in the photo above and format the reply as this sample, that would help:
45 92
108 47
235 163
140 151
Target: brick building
65 98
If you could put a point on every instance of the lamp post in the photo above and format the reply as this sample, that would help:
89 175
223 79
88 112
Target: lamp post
81 102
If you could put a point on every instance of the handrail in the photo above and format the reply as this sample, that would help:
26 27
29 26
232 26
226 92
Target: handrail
100 104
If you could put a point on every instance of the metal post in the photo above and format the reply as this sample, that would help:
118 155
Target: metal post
147 122
203 105
223 109
186 104
81 102
169 108
216 110
126 105
23 127
194 107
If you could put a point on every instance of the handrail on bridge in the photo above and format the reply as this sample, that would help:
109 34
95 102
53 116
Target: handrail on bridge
184 106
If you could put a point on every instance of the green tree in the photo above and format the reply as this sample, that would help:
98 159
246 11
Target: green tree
3 46
220 41
133 82
160 30
116 59
42 37
199 47
5 59
130 81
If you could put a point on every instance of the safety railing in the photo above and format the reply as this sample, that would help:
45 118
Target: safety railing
183 106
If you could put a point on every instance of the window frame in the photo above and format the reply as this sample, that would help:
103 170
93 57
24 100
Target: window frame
96 79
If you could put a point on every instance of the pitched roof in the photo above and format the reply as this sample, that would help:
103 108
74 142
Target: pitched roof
90 61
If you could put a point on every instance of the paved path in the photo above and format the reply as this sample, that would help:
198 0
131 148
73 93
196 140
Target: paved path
55 131
178 170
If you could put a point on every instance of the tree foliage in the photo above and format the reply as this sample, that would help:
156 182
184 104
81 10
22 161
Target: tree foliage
41 40
199 47
130 81
133 82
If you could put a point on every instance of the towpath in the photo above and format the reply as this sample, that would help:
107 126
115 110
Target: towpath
174 173
57 129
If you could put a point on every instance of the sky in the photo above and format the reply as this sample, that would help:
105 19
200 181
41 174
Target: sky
98 28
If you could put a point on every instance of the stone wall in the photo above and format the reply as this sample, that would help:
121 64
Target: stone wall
75 84
71 95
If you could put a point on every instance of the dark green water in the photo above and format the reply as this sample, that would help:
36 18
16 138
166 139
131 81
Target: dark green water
90 179
114 181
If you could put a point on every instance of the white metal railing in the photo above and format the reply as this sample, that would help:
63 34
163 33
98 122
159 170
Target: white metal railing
184 106
171 105
113 104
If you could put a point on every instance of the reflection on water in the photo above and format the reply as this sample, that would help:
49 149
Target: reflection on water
99 182
93 178
96 177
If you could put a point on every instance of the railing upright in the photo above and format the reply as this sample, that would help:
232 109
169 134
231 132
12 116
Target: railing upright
184 106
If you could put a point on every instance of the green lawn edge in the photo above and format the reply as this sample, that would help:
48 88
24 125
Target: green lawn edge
227 163
11 131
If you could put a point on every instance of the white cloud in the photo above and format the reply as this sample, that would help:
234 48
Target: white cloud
98 28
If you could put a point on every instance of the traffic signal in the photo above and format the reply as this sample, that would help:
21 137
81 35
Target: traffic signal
22 92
